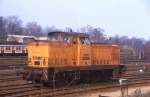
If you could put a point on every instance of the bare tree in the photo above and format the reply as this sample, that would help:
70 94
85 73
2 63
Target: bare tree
14 25
146 51
52 29
96 34
2 28
32 28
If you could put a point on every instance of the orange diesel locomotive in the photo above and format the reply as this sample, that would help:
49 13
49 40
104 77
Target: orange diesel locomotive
68 57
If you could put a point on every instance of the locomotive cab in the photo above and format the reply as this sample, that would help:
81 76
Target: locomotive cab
77 43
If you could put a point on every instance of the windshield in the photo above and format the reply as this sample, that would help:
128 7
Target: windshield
53 37
84 40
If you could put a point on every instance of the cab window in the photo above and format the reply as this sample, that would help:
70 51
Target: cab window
65 38
74 40
69 39
84 40
53 37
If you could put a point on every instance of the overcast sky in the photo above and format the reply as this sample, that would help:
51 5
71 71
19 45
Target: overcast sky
122 17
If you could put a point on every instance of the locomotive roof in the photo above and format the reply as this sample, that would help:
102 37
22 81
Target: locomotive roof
10 43
70 33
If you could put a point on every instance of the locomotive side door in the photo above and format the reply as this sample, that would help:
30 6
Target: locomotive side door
84 51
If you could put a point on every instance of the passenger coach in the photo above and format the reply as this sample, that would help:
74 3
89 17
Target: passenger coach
11 48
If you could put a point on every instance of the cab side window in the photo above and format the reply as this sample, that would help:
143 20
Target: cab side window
65 38
84 40
74 40
53 37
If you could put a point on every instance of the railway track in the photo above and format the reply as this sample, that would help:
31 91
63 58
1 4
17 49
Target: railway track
10 78
12 85
17 90
10 66
46 92
76 89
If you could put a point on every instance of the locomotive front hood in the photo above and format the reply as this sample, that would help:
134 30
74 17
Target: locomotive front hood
37 54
